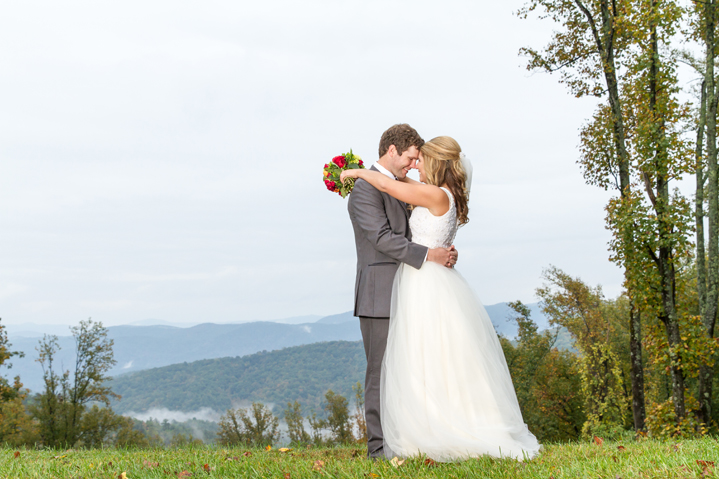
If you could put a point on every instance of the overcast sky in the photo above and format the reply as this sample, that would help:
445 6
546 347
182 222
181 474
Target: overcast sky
162 159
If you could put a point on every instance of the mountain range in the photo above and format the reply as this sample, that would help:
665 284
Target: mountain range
140 347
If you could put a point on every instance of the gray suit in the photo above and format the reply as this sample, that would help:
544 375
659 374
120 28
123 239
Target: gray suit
383 240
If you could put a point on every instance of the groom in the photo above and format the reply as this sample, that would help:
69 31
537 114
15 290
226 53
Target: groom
383 240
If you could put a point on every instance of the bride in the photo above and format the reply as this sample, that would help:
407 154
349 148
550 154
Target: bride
445 390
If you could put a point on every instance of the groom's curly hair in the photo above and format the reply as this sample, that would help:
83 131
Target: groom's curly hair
402 136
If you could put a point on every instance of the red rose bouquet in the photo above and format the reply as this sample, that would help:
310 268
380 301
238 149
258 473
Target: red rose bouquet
332 171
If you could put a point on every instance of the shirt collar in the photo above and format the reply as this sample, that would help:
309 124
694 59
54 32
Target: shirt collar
384 171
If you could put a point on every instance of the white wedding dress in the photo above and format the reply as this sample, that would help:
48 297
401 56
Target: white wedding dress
446 391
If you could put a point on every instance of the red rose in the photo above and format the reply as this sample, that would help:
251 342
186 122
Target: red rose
330 185
339 161
361 162
327 166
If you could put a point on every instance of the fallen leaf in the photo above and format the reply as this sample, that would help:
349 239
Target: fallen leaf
615 459
268 448
598 440
707 467
621 448
233 458
396 462
184 474
430 462
17 454
247 453
150 464
122 476
284 449
318 465
207 467
287 475
371 474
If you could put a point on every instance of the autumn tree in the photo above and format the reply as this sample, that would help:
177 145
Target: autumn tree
589 51
581 310
546 380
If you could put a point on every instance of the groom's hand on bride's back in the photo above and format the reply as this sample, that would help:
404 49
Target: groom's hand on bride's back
444 256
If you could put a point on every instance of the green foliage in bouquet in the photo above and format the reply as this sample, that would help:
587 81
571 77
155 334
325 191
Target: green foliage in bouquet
332 171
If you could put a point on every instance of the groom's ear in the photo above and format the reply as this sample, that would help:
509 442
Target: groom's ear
392 151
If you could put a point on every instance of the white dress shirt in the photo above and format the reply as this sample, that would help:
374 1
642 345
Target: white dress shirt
384 171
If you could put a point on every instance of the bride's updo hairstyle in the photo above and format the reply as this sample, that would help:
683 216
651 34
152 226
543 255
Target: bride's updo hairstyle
443 166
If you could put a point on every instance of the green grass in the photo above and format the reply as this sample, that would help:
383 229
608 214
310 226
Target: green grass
645 459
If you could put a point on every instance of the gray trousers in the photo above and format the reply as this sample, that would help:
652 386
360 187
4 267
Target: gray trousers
374 337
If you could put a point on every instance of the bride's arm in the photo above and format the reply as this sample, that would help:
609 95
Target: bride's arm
418 194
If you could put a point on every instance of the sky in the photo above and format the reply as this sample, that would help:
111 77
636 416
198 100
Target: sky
162 159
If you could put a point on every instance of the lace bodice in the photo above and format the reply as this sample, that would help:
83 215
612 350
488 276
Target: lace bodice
434 231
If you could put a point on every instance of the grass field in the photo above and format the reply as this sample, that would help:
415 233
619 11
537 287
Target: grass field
611 460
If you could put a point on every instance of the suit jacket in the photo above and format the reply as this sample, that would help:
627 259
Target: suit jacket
383 240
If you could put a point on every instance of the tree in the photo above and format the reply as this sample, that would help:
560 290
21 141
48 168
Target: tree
359 416
255 426
16 427
295 424
546 380
338 418
60 407
704 22
570 303
99 426
589 52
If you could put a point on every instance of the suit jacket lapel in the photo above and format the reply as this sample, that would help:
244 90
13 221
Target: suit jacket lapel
402 203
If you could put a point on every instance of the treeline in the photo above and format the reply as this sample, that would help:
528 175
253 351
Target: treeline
74 409
258 426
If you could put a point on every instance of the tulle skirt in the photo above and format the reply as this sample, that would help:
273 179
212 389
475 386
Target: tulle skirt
446 391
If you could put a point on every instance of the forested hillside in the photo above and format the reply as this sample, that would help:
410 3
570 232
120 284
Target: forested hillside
142 347
302 373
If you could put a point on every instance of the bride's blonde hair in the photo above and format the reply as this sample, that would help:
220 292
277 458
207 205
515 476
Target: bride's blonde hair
443 166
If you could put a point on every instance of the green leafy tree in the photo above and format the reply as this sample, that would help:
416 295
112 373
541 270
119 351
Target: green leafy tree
295 424
98 427
60 407
338 418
